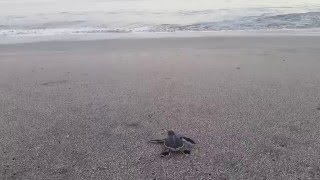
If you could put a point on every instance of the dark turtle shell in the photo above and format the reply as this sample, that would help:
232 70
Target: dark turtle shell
173 142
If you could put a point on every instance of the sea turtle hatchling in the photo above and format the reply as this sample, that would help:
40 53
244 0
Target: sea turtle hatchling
175 143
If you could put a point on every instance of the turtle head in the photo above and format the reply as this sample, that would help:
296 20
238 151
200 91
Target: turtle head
171 133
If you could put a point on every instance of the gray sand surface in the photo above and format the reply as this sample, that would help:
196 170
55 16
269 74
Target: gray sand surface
85 110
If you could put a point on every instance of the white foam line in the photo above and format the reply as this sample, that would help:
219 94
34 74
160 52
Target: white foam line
150 35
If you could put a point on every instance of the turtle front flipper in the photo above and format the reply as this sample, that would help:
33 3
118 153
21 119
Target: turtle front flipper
157 141
188 140
166 152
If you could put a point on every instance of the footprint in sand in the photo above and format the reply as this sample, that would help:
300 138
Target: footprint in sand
51 83
281 141
133 125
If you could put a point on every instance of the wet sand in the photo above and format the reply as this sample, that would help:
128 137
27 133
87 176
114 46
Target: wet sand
85 110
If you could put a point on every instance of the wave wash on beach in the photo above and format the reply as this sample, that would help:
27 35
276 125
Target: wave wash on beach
63 17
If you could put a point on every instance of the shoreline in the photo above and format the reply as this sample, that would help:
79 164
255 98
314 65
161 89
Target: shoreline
154 35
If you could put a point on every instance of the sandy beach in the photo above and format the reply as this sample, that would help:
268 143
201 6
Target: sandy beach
86 110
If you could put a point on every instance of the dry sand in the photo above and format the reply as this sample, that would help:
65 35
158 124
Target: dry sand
85 110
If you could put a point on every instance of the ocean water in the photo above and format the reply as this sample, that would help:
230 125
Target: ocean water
63 17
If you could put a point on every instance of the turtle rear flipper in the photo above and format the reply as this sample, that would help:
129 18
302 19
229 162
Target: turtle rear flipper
188 140
186 152
166 152
157 141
